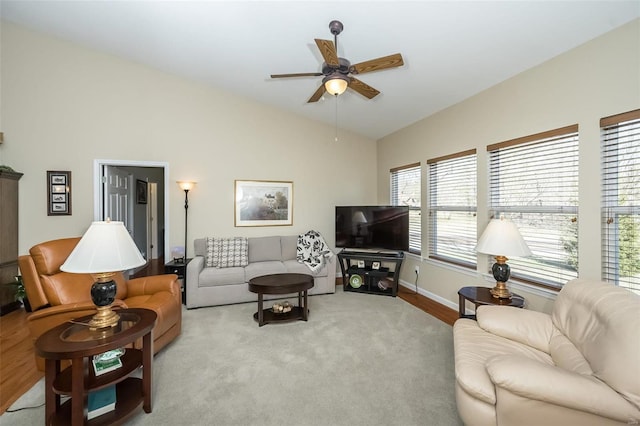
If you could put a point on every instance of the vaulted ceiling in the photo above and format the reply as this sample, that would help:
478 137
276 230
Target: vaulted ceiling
451 49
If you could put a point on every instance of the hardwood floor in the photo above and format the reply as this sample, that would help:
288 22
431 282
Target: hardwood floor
18 371
153 267
433 308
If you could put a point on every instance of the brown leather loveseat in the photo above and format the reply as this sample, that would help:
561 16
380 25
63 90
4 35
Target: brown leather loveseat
57 296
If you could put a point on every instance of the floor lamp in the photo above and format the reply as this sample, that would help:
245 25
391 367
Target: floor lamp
186 186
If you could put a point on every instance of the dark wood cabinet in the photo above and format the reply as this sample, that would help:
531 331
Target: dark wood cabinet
180 269
370 272
8 240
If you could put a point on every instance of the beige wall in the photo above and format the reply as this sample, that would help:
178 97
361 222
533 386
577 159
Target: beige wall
597 79
64 106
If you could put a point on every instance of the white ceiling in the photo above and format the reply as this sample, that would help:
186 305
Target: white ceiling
452 49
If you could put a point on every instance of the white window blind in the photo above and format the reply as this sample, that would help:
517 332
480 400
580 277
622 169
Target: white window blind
452 208
621 199
405 191
534 182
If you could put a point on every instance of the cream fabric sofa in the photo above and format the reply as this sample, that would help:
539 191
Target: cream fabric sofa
578 366
267 255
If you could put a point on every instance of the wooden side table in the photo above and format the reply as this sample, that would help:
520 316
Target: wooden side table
180 269
482 296
76 342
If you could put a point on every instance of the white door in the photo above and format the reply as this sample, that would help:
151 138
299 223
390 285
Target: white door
152 223
100 197
117 196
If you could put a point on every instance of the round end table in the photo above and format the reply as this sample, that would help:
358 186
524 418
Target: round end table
75 341
482 296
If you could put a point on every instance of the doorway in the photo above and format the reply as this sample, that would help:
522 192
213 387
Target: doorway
136 193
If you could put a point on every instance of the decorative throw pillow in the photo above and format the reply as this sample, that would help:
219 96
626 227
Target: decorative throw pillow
233 252
213 252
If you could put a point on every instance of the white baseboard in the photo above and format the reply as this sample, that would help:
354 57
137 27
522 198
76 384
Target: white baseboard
432 296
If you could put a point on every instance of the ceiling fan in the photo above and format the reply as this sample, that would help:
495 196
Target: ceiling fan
338 72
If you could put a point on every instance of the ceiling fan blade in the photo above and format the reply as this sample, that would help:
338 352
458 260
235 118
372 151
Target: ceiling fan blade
317 95
328 52
363 88
384 62
300 74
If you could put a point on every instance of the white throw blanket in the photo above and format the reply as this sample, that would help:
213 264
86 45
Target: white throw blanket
312 250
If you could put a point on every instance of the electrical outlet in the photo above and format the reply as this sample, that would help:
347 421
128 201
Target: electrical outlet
417 269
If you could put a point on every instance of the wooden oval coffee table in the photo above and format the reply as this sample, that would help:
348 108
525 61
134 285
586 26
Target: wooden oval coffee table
281 284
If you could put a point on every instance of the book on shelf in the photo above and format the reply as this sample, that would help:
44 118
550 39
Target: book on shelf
108 361
101 401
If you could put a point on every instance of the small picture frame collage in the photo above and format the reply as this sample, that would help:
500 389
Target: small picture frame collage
58 193
374 265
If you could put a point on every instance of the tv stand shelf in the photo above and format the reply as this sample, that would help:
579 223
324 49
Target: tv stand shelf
359 275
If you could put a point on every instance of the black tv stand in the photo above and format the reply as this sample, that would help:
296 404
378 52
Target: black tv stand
359 274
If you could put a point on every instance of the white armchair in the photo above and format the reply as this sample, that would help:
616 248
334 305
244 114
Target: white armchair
578 366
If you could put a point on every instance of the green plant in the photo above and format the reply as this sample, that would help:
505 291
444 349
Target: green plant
570 243
21 293
4 168
629 250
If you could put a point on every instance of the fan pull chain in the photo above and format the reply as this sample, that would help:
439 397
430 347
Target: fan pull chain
336 138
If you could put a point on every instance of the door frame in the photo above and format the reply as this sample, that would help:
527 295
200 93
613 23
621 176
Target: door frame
152 219
98 192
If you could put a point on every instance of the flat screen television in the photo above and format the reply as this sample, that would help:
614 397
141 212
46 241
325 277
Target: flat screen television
373 227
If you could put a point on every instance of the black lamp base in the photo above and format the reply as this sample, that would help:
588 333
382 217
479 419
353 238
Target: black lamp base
103 294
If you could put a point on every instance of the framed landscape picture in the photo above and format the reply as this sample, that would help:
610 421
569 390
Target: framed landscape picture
263 203
58 193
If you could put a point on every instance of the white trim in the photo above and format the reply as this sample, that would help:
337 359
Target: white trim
432 296
97 190
548 294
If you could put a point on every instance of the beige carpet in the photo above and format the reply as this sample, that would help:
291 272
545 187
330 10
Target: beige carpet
360 360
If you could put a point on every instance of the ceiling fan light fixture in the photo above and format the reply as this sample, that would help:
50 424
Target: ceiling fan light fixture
335 83
338 71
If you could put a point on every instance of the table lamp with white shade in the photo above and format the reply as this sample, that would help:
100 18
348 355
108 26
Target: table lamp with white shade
105 249
501 238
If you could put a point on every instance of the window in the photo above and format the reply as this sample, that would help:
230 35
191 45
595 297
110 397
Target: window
534 182
621 199
452 208
405 191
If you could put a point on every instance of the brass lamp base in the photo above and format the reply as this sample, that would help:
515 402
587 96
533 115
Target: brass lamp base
104 318
500 291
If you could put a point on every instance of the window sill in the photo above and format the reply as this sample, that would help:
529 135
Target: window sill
451 267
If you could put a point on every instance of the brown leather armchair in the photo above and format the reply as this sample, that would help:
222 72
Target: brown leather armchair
57 296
